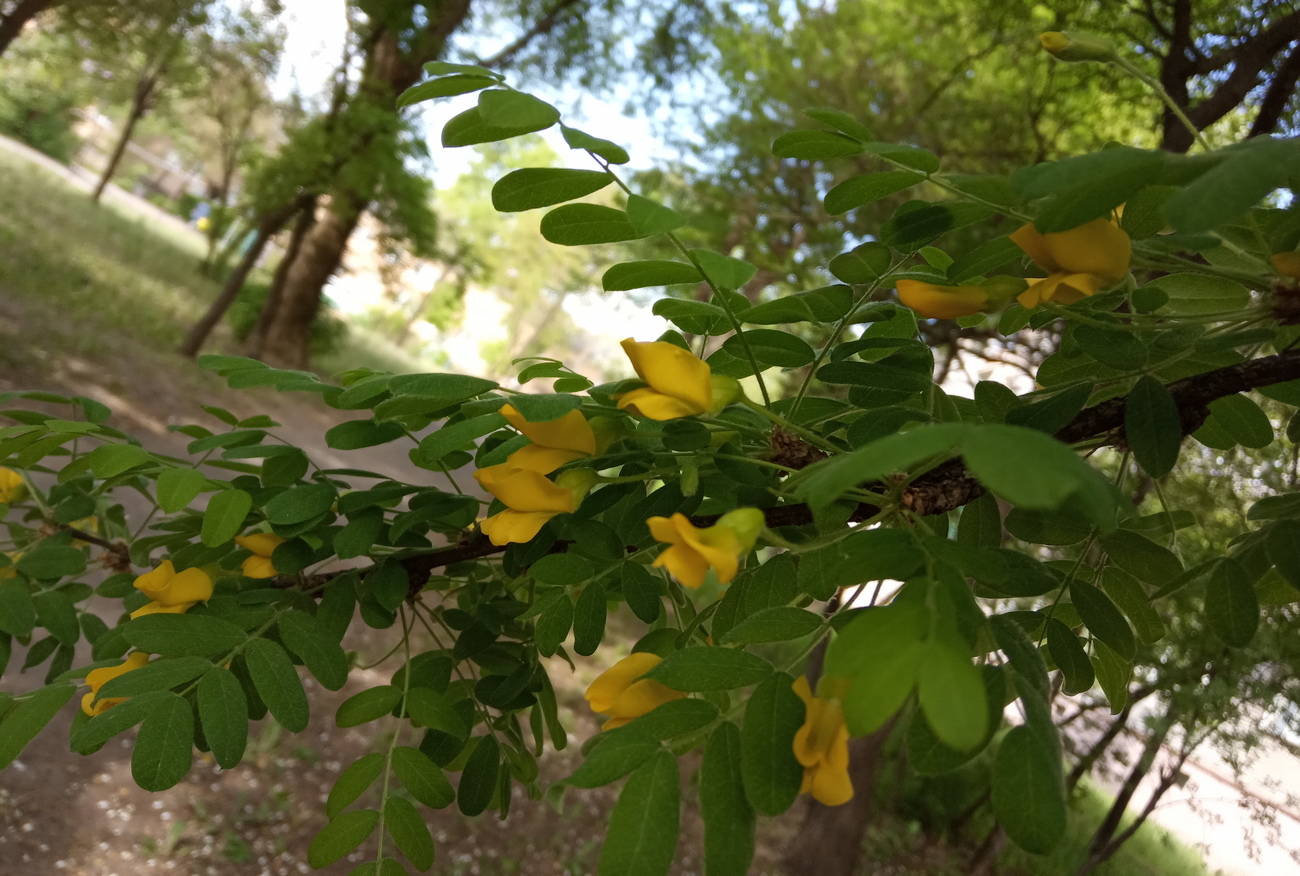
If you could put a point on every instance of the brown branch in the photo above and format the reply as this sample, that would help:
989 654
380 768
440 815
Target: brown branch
541 27
950 485
1277 95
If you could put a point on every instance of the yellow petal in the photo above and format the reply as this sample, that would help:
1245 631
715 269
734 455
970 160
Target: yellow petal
258 566
942 302
1287 264
663 529
1099 247
603 692
159 608
542 460
570 432
515 527
156 581
97 678
718 545
802 688
1035 246
261 543
190 586
1073 288
523 490
672 371
640 698
831 786
11 485
684 564
654 405
1039 291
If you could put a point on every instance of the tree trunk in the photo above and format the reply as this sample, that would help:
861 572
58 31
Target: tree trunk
273 296
829 841
286 341
267 228
1110 824
139 106
13 23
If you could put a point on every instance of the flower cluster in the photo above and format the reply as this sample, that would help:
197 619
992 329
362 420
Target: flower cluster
693 551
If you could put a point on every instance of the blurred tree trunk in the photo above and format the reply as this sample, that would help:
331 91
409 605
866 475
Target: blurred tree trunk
12 24
391 66
306 219
267 227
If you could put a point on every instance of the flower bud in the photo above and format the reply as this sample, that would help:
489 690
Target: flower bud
725 391
1077 47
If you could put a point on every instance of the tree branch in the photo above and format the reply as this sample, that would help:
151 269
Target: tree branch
542 26
1277 95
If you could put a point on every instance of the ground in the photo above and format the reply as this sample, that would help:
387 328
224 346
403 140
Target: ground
93 302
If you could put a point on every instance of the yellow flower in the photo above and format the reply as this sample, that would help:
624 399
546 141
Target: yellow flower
618 694
1083 260
822 746
555 442
692 550
262 544
1287 264
97 678
680 384
942 302
530 498
12 486
172 592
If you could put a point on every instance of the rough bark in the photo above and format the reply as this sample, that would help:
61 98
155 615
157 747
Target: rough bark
13 23
274 295
268 226
829 841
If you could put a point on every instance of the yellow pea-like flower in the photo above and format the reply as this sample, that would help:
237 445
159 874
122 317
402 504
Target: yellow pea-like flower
679 383
530 498
97 678
262 544
693 550
12 486
1082 261
621 693
821 745
172 592
555 442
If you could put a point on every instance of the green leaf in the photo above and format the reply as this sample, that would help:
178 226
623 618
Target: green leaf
1095 168
277 683
771 773
1141 557
319 651
17 611
164 748
824 482
1132 600
1028 794
161 674
110 460
1027 467
51 559
478 781
1152 426
224 517
356 434
1103 618
729 819
860 190
649 217
445 68
983 259
1231 607
641 590
1243 421
1113 674
534 187
553 625
469 129
980 524
1046 527
423 778
1053 413
354 781
930 756
862 265
445 86
589 619
55 612
840 121
778 624
300 504
674 718
28 716
1070 658
771 347
341 836
640 275
177 487
705 669
505 108
642 835
820 305
458 436
722 271
1250 172
369 705
586 224
183 635
1192 294
814 145
951 691
429 708
611 760
409 831
611 152
223 713
1114 348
